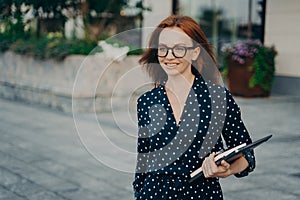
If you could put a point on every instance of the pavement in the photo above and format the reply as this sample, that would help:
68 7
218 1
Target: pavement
46 154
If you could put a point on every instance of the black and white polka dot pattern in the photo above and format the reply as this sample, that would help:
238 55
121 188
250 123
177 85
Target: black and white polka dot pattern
168 153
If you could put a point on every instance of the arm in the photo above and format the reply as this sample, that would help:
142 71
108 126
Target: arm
141 166
142 150
234 133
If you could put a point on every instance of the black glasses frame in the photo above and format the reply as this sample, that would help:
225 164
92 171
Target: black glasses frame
172 49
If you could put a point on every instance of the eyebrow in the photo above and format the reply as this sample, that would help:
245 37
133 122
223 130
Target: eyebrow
178 44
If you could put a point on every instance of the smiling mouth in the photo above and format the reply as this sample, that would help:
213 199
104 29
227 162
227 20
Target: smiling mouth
171 64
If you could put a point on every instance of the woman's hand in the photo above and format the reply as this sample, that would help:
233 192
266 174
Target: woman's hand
210 169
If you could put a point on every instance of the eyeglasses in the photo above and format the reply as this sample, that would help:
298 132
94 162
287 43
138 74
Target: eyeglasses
177 51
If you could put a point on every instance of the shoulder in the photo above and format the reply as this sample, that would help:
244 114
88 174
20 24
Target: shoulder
149 96
202 86
217 94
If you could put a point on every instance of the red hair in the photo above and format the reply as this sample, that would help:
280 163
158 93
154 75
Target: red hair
193 30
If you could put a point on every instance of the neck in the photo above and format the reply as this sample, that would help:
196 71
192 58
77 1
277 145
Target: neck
180 83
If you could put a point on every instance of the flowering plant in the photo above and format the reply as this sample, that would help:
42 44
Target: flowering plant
241 50
262 61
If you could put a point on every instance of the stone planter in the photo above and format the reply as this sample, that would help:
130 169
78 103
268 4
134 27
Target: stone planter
82 83
238 78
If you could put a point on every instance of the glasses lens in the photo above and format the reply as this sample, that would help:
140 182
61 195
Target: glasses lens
162 51
179 51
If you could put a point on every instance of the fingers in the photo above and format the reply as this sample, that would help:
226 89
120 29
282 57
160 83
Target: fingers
209 166
225 165
210 169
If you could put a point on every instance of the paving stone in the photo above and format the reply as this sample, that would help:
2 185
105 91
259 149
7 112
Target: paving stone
21 153
24 188
259 193
46 195
82 194
19 172
8 195
7 178
41 156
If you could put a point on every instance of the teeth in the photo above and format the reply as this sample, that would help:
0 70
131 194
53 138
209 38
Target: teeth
171 64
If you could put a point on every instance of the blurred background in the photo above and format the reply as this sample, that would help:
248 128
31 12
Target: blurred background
57 29
69 79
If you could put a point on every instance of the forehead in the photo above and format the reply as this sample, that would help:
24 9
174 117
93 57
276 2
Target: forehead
174 35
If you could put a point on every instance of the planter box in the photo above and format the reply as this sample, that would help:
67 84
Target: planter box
238 78
88 83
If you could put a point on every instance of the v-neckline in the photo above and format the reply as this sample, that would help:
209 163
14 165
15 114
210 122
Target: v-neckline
177 123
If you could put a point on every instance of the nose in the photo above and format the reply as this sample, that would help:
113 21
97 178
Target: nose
170 54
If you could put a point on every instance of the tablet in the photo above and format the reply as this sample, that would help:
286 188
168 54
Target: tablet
230 155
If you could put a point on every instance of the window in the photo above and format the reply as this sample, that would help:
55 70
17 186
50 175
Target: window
225 21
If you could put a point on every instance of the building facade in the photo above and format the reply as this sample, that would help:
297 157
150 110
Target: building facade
270 21
282 31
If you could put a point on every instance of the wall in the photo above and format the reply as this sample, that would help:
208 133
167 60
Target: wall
159 11
282 30
94 82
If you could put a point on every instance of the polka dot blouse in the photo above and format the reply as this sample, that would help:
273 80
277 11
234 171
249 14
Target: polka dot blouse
169 152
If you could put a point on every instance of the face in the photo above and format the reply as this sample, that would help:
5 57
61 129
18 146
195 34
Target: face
177 39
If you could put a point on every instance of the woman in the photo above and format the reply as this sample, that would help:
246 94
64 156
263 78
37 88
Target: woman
185 118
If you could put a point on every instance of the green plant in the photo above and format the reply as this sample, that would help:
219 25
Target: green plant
52 46
263 58
5 42
264 68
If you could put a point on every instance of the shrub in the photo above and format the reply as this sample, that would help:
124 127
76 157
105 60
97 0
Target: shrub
263 61
51 47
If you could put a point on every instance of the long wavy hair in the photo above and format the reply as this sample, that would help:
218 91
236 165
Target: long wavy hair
204 66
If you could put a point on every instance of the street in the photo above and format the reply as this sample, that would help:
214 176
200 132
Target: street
43 156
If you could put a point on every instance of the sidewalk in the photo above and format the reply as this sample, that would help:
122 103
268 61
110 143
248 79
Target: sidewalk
42 156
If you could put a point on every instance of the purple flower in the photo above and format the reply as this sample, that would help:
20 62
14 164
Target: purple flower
241 50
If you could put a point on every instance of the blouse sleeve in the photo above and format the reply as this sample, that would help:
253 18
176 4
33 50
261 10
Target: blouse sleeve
235 133
142 148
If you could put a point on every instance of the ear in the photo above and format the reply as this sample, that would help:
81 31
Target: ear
196 53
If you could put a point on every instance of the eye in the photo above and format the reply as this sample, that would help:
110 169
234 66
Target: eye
179 48
162 48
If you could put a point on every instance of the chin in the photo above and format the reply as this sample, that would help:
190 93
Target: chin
172 72
176 71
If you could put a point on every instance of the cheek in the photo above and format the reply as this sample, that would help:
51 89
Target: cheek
190 56
187 60
160 60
